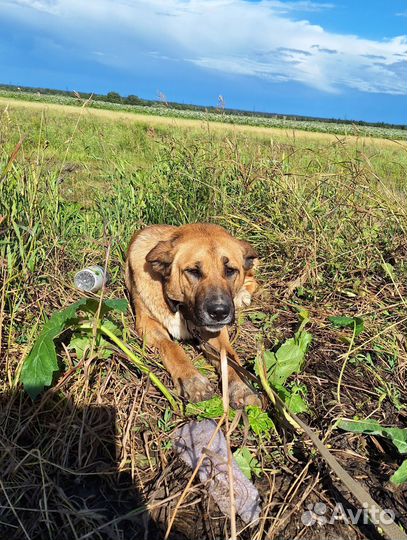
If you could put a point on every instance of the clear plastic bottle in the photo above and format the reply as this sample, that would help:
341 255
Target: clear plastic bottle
91 279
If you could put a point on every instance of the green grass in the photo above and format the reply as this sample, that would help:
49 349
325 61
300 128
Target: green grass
328 217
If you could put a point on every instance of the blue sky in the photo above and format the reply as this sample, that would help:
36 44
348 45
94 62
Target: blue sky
327 58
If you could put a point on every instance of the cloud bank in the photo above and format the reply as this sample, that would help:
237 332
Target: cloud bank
264 39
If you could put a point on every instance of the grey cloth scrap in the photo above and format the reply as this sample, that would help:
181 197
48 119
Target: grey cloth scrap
190 440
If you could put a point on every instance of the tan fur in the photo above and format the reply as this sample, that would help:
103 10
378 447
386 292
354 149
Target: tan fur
157 259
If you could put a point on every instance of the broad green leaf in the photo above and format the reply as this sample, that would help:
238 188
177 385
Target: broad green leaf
79 344
259 421
292 398
356 323
398 436
359 326
247 462
41 363
304 340
288 359
82 341
295 402
400 476
117 304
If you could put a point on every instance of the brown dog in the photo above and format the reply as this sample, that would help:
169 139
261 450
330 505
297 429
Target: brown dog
185 281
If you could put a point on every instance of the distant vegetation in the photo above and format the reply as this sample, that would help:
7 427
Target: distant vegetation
113 100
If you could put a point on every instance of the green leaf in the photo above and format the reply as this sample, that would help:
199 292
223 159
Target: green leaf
41 363
356 323
296 404
110 325
398 436
303 314
79 344
292 398
259 421
389 270
341 321
116 304
400 476
304 340
211 408
257 316
82 341
247 462
288 359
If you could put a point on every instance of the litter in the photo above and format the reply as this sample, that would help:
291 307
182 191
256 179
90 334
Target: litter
91 279
190 441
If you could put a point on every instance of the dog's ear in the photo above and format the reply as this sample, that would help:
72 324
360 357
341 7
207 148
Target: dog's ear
161 257
249 255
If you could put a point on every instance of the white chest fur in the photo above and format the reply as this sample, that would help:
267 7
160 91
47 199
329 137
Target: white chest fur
176 326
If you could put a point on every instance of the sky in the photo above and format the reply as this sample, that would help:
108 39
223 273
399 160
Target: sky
327 58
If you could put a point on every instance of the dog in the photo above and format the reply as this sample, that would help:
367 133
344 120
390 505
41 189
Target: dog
186 282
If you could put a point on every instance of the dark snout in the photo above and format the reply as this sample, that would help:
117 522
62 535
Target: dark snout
217 311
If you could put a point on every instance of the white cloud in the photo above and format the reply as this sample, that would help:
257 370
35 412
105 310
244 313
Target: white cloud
261 39
300 5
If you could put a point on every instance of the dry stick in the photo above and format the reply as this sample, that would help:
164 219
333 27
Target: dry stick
225 398
194 473
14 511
44 496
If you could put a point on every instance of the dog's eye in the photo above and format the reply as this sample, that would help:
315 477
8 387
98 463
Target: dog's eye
194 272
230 272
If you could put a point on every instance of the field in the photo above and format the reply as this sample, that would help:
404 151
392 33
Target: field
92 457
164 110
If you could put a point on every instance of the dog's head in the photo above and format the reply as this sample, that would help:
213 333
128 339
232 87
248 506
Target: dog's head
202 267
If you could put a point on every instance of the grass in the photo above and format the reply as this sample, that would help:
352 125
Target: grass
328 215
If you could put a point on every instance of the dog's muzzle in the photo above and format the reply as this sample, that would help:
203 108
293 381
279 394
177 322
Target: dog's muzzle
217 311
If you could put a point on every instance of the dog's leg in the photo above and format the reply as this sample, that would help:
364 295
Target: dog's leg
249 287
240 394
187 379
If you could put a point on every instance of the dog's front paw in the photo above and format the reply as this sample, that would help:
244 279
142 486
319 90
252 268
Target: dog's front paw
196 388
243 298
240 395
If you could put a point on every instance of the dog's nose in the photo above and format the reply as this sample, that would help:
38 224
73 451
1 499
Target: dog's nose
219 311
